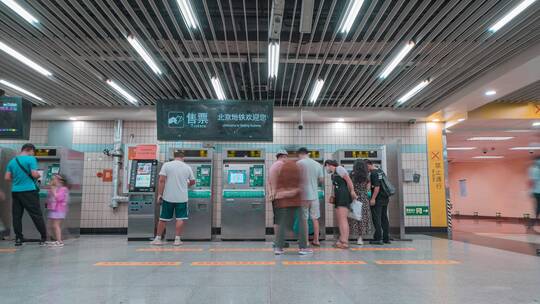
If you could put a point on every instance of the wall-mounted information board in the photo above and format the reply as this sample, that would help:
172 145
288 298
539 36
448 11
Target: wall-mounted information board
15 116
219 120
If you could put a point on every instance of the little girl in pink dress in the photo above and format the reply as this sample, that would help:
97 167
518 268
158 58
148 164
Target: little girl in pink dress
57 204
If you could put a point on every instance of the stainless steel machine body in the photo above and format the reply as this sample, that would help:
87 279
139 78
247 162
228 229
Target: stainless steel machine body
142 183
6 155
243 212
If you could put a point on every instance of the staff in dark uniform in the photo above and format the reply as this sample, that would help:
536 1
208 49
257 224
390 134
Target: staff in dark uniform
342 198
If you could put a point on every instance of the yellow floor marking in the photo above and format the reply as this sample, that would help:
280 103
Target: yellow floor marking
416 262
138 264
7 250
234 263
289 263
382 249
151 249
240 249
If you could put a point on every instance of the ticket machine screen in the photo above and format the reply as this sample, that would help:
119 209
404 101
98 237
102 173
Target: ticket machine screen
237 177
143 176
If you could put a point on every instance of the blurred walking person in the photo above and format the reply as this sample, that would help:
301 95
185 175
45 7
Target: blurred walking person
534 176
281 157
289 202
312 176
342 197
57 204
361 183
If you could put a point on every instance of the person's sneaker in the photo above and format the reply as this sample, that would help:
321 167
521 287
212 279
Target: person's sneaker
19 242
278 251
305 251
177 242
360 241
376 242
158 242
42 243
56 244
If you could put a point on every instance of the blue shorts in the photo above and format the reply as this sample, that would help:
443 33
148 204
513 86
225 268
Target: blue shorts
169 210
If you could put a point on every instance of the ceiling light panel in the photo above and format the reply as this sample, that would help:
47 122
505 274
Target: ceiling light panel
144 54
122 91
413 92
353 8
273 59
489 157
20 11
188 13
525 148
218 88
511 15
490 138
399 57
23 59
461 148
19 89
316 90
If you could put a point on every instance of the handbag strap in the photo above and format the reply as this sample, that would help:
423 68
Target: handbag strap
28 173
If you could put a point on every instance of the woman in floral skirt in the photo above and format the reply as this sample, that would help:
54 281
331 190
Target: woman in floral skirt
360 179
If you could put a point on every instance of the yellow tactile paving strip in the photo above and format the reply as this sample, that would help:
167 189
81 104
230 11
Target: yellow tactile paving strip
7 250
416 262
294 263
235 263
113 264
382 249
151 249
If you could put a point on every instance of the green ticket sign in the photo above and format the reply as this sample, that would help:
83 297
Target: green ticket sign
417 210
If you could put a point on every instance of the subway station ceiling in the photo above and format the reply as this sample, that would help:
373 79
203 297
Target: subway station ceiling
526 94
84 43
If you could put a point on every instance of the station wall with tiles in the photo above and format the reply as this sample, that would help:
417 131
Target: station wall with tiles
92 137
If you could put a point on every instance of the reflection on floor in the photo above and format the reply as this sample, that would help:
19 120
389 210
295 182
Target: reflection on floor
110 270
511 236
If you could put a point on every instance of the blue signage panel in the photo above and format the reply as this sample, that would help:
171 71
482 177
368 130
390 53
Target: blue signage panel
15 116
215 120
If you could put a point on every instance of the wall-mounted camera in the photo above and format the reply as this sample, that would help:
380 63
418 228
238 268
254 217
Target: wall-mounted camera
300 126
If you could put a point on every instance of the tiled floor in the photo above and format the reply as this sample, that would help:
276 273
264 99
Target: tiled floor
427 270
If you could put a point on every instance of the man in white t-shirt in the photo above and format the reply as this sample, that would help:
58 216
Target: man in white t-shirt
175 178
313 176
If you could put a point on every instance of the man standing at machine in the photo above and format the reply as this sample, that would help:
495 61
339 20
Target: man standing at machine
273 173
22 172
313 176
175 178
379 206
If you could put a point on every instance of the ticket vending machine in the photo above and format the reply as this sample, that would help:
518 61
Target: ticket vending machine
318 156
69 163
199 224
243 211
5 200
346 159
142 208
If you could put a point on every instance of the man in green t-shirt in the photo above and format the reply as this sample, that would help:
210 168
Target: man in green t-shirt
22 173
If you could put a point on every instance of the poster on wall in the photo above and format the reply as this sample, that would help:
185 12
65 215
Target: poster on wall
215 120
15 116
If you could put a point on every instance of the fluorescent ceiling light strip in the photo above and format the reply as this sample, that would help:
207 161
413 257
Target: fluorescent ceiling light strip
24 59
352 11
490 138
17 88
316 90
273 59
525 148
20 11
217 88
123 92
144 54
413 92
536 124
399 57
511 15
490 93
187 12
461 148
488 157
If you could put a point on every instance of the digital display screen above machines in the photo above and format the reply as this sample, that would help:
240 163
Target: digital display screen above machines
236 177
312 154
45 152
360 154
244 153
194 153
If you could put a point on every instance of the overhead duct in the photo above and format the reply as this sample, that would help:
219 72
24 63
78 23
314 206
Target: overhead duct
276 19
306 16
117 155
